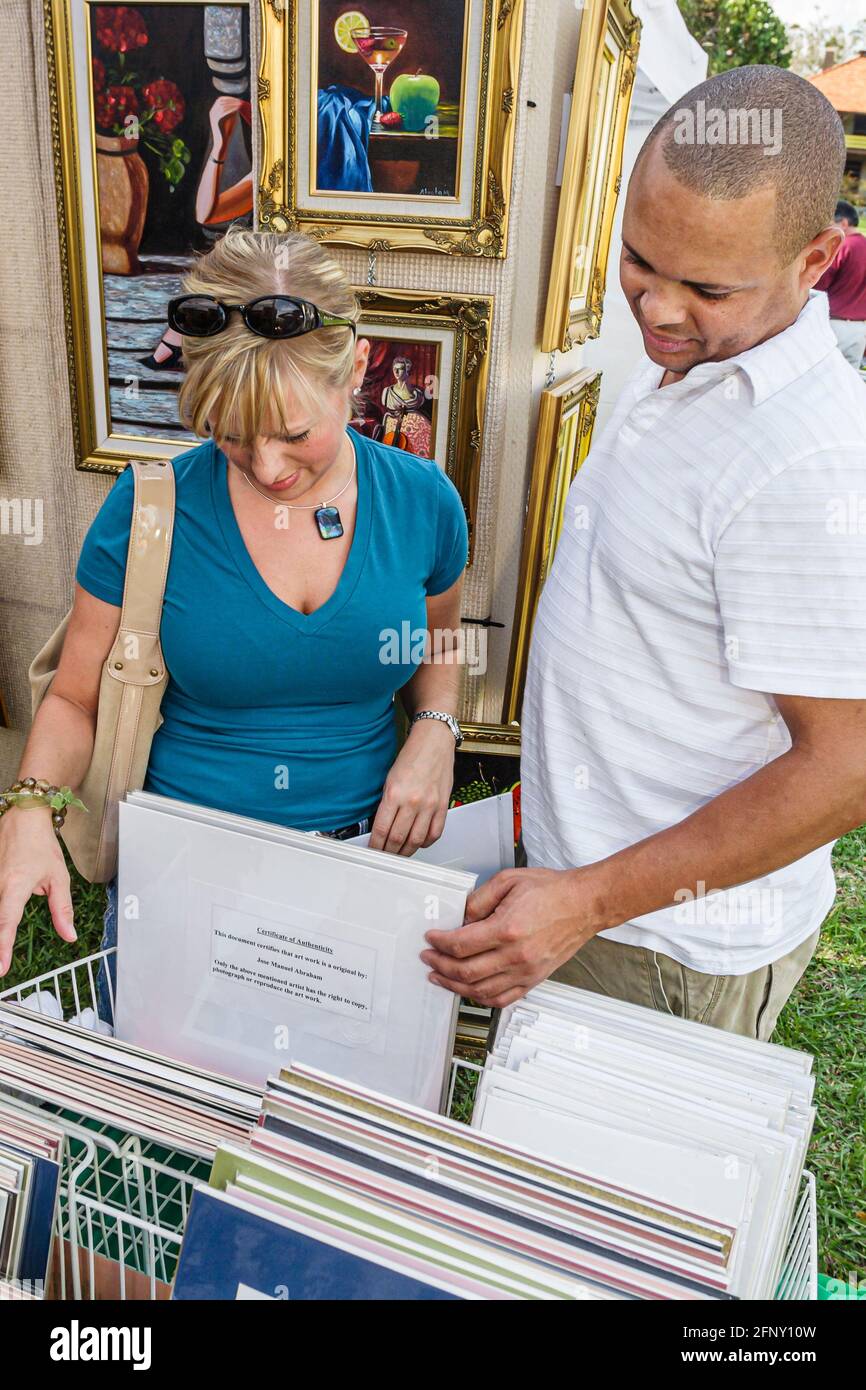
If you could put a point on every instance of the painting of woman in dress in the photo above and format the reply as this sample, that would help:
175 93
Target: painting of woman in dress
406 422
395 404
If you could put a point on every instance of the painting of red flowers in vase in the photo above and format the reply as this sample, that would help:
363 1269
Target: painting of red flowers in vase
171 127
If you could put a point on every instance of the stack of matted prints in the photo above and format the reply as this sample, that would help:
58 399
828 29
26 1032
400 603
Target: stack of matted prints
46 1061
705 1130
343 1193
31 1150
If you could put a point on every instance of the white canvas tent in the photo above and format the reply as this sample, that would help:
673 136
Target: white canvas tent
670 63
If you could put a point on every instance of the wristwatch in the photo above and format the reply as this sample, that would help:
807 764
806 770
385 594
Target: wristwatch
444 718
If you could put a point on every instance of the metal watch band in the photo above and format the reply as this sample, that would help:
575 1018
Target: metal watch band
443 719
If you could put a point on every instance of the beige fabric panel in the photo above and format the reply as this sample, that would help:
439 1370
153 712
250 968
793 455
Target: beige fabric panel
36 452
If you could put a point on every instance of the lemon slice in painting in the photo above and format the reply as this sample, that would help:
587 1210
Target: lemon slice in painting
352 19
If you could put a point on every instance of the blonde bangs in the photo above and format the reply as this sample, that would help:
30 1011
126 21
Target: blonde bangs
245 393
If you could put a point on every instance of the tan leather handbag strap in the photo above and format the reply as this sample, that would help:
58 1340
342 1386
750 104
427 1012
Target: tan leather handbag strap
136 656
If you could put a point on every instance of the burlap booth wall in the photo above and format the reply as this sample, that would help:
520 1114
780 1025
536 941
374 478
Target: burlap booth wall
36 447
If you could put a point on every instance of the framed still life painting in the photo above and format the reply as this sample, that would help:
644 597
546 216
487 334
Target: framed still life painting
153 107
397 126
604 78
426 381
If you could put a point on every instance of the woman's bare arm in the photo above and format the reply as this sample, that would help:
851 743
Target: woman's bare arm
415 798
59 750
60 745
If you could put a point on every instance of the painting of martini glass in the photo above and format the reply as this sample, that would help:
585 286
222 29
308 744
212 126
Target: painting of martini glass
390 89
379 45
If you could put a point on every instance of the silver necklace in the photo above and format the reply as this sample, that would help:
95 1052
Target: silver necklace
328 518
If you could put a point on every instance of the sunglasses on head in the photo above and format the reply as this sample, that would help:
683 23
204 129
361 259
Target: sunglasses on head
269 316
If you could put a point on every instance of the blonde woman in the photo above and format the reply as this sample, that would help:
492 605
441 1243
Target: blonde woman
309 568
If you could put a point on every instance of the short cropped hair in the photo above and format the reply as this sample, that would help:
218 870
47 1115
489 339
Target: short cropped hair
848 211
750 126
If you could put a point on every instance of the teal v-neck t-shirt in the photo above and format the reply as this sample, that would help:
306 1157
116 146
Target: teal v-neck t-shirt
269 712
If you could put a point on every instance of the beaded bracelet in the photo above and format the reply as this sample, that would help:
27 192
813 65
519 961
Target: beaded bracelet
34 791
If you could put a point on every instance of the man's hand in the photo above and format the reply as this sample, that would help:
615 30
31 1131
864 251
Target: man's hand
520 926
524 923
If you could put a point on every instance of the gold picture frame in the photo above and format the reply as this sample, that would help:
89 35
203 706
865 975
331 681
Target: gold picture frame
109 326
500 740
471 221
606 67
460 324
566 419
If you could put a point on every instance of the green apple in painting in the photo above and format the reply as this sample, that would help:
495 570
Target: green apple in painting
415 96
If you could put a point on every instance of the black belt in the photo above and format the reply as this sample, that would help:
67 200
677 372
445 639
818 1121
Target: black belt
347 832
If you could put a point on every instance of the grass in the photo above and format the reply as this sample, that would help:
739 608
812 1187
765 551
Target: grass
825 1016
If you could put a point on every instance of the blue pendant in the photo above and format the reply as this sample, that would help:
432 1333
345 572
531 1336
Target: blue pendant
329 523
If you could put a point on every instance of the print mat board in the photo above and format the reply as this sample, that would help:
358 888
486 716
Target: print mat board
239 952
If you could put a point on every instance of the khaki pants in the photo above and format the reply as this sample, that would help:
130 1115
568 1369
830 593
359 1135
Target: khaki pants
851 337
747 1004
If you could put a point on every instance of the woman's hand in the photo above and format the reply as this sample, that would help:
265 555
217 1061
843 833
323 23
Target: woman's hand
414 803
31 861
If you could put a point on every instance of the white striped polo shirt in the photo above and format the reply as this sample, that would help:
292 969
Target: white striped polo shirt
713 553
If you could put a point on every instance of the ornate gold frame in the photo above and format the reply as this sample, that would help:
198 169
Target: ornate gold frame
565 423
469 318
67 189
71 150
609 34
500 739
484 234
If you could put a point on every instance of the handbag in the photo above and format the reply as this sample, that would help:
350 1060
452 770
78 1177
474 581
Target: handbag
133 678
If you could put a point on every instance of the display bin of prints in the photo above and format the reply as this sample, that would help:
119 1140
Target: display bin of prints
124 1199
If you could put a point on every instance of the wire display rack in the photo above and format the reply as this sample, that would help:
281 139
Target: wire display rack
124 1199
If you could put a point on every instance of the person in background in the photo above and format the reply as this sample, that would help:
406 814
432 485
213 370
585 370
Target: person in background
844 283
